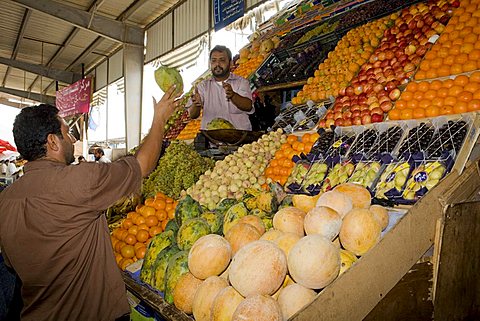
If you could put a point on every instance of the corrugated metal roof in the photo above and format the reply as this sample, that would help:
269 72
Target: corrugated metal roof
152 10
12 16
190 21
114 8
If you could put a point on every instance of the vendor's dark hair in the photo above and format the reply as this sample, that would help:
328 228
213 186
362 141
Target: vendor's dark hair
32 127
224 49
100 150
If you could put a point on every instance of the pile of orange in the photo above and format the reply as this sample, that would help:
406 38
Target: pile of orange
130 240
247 68
458 48
439 97
191 130
280 167
343 63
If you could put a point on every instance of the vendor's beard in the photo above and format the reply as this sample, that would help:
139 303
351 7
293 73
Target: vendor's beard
221 73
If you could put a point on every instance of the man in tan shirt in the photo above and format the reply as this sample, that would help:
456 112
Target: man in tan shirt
52 231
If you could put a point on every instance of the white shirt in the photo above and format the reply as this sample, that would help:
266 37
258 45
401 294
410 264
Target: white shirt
4 168
104 159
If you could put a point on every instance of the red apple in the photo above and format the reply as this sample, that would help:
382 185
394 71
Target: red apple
347 122
409 67
391 85
377 118
364 107
357 120
378 88
374 105
366 119
349 91
372 99
377 110
386 106
339 122
410 49
337 115
329 122
364 112
329 115
322 123
358 89
356 113
347 114
383 99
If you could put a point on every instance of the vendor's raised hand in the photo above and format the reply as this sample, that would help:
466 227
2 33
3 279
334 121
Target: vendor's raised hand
197 99
228 90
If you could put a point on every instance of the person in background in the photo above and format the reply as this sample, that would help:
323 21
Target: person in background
81 159
12 169
100 156
224 95
4 167
53 233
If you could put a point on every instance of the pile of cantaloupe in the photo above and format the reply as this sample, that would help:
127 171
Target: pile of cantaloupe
253 274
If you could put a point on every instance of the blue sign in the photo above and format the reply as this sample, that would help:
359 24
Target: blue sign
227 11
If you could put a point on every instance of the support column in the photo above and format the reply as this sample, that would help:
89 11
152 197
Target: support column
133 71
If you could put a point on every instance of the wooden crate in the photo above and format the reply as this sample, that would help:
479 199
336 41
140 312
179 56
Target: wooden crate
354 294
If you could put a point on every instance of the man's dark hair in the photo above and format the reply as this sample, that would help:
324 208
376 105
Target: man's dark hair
32 127
224 49
100 151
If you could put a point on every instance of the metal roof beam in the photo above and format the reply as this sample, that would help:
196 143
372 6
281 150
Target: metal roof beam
60 75
20 35
105 27
131 9
29 95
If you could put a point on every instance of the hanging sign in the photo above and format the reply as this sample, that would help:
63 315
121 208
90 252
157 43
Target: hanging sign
227 11
74 99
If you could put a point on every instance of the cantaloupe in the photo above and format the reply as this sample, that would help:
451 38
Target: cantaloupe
271 235
359 195
336 242
255 221
225 273
324 221
258 268
380 213
289 220
304 202
259 308
205 295
288 280
210 255
286 241
225 304
360 231
240 235
184 292
293 298
347 258
314 262
339 202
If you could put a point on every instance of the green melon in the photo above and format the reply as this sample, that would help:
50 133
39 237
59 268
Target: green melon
157 244
225 204
177 266
232 216
166 77
191 230
187 208
160 266
214 220
172 226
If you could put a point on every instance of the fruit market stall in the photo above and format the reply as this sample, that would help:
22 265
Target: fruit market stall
321 216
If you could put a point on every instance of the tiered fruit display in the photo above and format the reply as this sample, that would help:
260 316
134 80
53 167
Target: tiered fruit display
393 177
177 170
251 57
324 28
191 130
130 240
375 88
458 49
250 272
175 124
419 138
280 167
438 97
365 173
339 174
243 169
343 62
449 138
426 175
365 142
387 141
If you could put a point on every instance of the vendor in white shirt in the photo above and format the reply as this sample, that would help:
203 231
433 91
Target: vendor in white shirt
100 156
4 167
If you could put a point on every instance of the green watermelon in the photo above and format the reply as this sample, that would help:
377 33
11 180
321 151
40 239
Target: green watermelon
160 266
232 216
172 226
187 208
177 266
225 204
157 244
191 230
214 220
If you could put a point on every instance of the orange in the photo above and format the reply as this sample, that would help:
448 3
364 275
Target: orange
425 65
474 105
469 66
419 113
300 147
471 87
154 230
133 230
161 215
147 211
152 220
149 202
159 204
292 138
407 95
435 85
140 252
406 114
448 83
411 104
449 60
430 94
160 195
461 80
453 51
119 245
127 251
471 38
475 76
456 69
127 223
465 96
461 58
401 104
446 110
431 73
142 227
118 258
130 239
132 215
455 90
443 71
474 55
432 111
269 171
125 262
169 207
412 86
442 92
171 214
424 103
450 101
394 114
274 163
140 220
420 75
142 236
306 138
437 101
460 107
423 86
